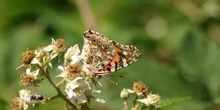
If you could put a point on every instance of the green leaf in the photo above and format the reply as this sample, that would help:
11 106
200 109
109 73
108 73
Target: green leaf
171 102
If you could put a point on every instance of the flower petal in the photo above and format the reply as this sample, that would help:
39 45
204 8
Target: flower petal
72 53
100 100
49 48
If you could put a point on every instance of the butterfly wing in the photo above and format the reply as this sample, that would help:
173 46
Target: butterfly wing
97 51
103 56
124 55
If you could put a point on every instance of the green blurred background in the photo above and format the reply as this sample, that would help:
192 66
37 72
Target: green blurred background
179 41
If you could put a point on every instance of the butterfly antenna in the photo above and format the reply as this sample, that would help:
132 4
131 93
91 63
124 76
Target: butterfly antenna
120 76
109 80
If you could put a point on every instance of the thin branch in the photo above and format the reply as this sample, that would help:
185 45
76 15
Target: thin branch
134 101
61 95
52 98
125 103
60 83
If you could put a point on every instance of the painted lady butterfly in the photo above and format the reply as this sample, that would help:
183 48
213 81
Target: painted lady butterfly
102 56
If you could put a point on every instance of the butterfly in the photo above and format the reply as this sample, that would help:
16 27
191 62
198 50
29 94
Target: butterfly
103 56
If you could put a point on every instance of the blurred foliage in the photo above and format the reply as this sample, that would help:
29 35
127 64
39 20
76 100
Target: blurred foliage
179 41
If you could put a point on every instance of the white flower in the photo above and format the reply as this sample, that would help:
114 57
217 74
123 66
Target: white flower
75 89
96 91
130 91
36 59
100 100
24 96
70 86
33 73
152 99
45 54
80 98
63 73
50 47
72 54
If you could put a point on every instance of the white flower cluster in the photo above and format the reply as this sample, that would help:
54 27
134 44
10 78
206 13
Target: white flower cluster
80 86
26 98
142 95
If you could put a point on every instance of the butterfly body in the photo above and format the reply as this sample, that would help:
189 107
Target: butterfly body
103 56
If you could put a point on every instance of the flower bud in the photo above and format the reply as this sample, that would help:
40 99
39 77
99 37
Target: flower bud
124 94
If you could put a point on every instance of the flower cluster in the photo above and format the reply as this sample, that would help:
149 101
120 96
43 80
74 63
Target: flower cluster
25 99
79 85
145 98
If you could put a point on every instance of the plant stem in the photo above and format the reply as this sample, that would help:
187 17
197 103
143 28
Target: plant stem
134 101
60 94
52 98
60 83
125 103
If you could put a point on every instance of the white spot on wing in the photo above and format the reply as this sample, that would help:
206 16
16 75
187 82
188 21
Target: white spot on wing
124 62
125 53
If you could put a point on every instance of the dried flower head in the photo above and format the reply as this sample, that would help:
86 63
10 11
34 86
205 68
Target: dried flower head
60 45
27 79
20 103
151 100
16 104
27 57
73 70
140 88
